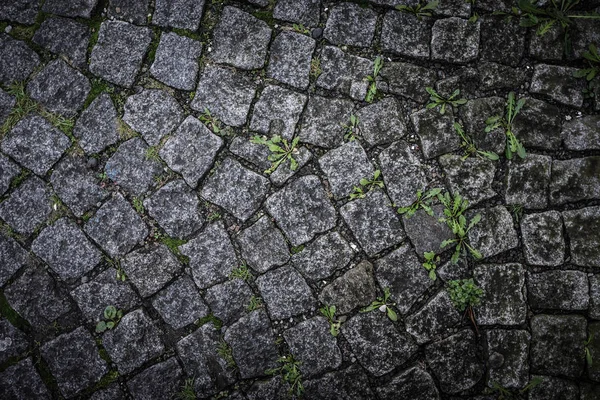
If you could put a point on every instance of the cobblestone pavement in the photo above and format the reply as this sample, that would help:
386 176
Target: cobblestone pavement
188 187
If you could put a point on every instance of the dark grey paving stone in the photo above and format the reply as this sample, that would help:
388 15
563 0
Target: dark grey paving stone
70 8
162 380
180 303
353 289
376 342
175 207
528 180
403 172
474 114
503 301
35 144
240 40
131 169
455 40
228 300
112 392
191 150
345 166
583 33
182 14
323 120
150 269
211 254
66 249
594 309
283 173
594 348
117 56
302 220
404 34
96 128
373 221
226 93
436 132
254 153
582 229
116 227
557 345
403 274
414 383
580 133
454 363
558 290
497 76
274 388
543 241
67 354
64 37
574 180
59 88
350 383
263 246
472 178
495 233
7 102
133 11
551 386
17 60
548 47
507 354
14 342
8 171
538 125
312 344
285 293
344 73
12 258
305 12
290 58
452 8
133 342
322 257
251 339
558 83
502 41
28 206
22 381
176 61
21 11
382 122
76 185
277 111
406 80
434 319
36 297
241 200
349 24
104 290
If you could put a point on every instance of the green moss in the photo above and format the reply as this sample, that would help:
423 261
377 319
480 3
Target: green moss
173 245
99 86
266 16
189 34
217 323
153 46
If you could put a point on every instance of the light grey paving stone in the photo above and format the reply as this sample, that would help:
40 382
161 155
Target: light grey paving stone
12 258
345 166
7 102
349 24
434 319
14 342
472 177
8 171
455 40
502 41
22 381
474 114
180 303
70 8
495 233
543 241
64 37
356 288
582 230
406 35
17 60
436 132
323 120
163 380
344 73
290 58
149 269
228 301
133 11
176 61
403 172
254 153
414 383
581 133
538 125
28 206
406 80
277 111
528 181
575 180
558 290
96 128
350 383
182 14
263 246
558 83
507 353
322 257
305 12
21 11
382 122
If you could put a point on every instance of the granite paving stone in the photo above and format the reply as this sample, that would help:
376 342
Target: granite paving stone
538 125
581 228
581 133
64 37
180 303
21 11
543 240
495 233
13 341
413 383
284 172
349 24
176 61
455 40
594 349
498 76
381 123
22 380
229 300
502 41
273 388
96 127
474 114
277 111
7 102
403 172
290 57
8 171
17 60
558 290
323 121
111 392
594 308
406 80
349 383
345 166
254 153
436 132
323 256
558 83
353 289
551 386
507 354
12 258
344 73
27 207
305 12
528 181
70 8
133 11
548 47
574 180
263 246
406 35
149 269
471 177
162 380
435 319
182 14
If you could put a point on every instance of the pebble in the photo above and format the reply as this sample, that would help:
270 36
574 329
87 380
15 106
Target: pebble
92 163
317 33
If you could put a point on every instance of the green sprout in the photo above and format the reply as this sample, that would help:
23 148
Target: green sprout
383 304
281 150
513 145
439 101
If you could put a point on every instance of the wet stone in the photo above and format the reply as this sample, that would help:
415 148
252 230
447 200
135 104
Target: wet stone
322 257
254 153
27 207
285 293
436 132
67 354
594 309
548 47
240 40
241 200
451 8
117 56
21 11
472 177
455 40
12 258
414 383
277 112
251 340
211 254
22 381
404 34
7 102
17 60
35 144
436 318
406 80
133 11
344 73
558 290
305 12
538 125
356 288
543 242
180 303
403 274
349 24
552 387
528 180
13 342
227 94
512 348
495 233
191 150
574 180
281 175
162 381
228 301
584 32
8 171
116 227
350 383
131 169
381 123
176 61
594 349
133 342
502 41
290 59
323 121
582 228
474 114
498 76
345 166
503 301
558 83
175 207
182 14
96 128
64 37
263 246
112 392
580 133
150 269
274 388
402 171
70 8
557 343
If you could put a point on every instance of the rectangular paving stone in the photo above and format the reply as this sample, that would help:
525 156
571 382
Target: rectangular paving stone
305 12
575 180
349 24
96 127
17 60
176 61
558 290
229 300
323 256
132 11
401 167
582 227
495 233
405 34
413 383
382 122
538 125
180 304
150 268
162 380
21 11
434 319
455 40
182 14
12 258
528 180
277 111
263 246
7 102
558 83
436 132
582 133
472 178
28 206
406 80
291 54
344 73
22 380
507 354
64 37
502 41
474 114
70 8
543 241
323 120
345 166
356 288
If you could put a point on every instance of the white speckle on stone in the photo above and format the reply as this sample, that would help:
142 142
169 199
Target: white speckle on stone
568 117
8 29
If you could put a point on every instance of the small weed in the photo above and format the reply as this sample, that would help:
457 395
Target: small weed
125 132
280 150
513 145
372 91
505 394
290 372
224 351
420 10
17 180
187 391
469 146
454 207
517 211
112 316
214 216
424 200
301 29
351 129
217 323
22 32
297 249
366 185
255 303
98 86
152 154
173 245
191 95
334 324
593 59
383 304
588 353
242 272
120 274
315 68
464 293
138 204
474 18
439 101
210 121
430 263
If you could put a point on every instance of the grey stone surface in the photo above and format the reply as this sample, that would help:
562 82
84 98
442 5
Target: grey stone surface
581 133
263 246
495 233
12 258
344 73
35 144
134 11
112 392
502 41
551 386
406 80
353 289
176 60
13 341
436 132
182 14
558 83
274 388
538 125
149 269
350 383
227 94
435 319
582 229
594 349
284 172
254 153
17 60
528 180
305 12
191 150
345 166
240 40
543 241
27 207
497 76
381 123
414 383
474 114
67 354
574 180
455 40
472 178
70 8
117 56
22 381
594 309
285 293
322 257
559 290
290 58
162 380
548 47
403 172
301 221
96 128
175 207
7 102
180 303
349 24
64 37
8 171
228 301
277 111
21 11
507 353
405 35
323 120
